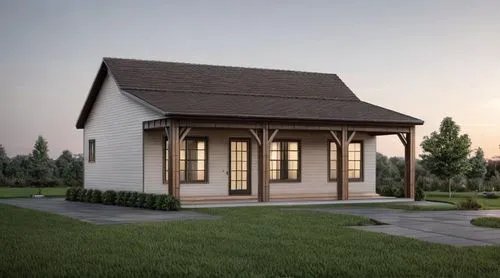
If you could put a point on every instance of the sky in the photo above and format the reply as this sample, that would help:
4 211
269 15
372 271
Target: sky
427 59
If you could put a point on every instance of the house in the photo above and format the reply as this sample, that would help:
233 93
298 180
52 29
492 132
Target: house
212 133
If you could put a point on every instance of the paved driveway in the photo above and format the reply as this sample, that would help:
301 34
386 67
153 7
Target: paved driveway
102 214
446 227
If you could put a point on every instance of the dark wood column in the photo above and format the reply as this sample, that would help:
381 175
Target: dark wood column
343 185
263 189
174 159
410 164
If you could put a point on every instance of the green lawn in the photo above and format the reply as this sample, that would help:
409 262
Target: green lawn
491 222
244 242
458 196
17 192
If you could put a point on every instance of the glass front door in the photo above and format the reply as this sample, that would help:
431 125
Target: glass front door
239 167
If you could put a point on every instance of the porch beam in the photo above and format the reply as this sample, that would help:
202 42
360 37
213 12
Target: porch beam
255 136
184 133
271 138
174 159
381 129
410 163
153 124
219 124
335 137
304 127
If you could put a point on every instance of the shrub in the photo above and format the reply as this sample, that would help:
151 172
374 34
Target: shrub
127 196
160 202
173 203
469 203
490 195
386 190
83 195
150 200
132 199
96 196
88 196
76 194
109 197
419 194
69 193
398 192
141 200
120 198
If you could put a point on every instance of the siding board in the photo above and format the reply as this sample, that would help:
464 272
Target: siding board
115 122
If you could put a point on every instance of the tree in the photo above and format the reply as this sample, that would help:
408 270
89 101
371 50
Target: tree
477 170
41 168
445 153
4 162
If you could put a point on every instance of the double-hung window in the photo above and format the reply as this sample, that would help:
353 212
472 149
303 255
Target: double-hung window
284 160
193 160
355 163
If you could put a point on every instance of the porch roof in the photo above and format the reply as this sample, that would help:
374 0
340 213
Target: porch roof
182 89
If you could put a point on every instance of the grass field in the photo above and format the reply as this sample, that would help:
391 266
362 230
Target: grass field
244 242
491 222
458 196
20 192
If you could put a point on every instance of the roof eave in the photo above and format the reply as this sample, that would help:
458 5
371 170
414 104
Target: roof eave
274 118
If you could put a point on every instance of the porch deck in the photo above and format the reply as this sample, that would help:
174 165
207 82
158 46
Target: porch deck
251 203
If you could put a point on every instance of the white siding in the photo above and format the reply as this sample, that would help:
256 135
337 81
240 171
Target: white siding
115 122
218 163
314 181
314 174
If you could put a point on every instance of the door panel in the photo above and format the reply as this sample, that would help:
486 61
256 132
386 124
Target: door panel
239 167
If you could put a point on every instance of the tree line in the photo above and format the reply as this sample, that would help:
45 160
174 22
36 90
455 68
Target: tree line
447 163
39 170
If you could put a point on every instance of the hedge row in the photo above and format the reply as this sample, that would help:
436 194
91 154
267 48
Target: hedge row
123 198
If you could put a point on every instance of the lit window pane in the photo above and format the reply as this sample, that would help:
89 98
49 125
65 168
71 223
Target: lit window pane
357 165
292 174
293 146
201 165
333 174
201 145
293 155
244 146
351 174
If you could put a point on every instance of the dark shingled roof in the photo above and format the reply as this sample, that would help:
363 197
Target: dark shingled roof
207 90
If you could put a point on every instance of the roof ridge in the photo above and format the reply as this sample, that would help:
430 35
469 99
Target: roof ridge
239 94
222 66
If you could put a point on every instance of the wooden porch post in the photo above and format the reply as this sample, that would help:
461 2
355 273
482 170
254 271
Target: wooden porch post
263 189
343 179
174 159
410 164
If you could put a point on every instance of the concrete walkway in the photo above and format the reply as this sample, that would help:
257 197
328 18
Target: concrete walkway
102 214
445 227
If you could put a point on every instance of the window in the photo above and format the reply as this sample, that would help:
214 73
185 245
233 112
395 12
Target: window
355 166
284 161
92 150
355 159
332 158
193 160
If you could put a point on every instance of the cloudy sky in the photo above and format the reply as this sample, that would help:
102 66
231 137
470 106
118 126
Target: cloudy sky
428 59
